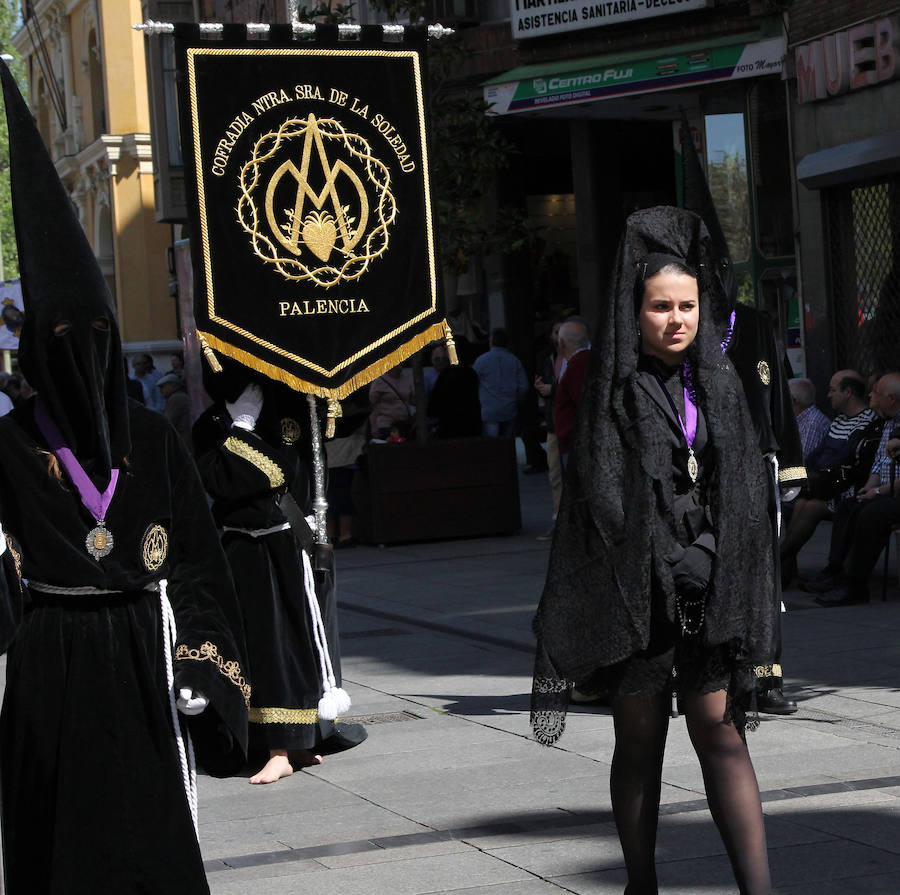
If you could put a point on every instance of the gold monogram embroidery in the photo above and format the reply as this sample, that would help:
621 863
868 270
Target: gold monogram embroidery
764 375
154 547
210 652
258 459
290 430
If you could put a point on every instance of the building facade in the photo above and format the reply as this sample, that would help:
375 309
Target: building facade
844 85
88 91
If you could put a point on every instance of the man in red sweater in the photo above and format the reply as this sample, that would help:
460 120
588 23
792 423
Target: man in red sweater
574 347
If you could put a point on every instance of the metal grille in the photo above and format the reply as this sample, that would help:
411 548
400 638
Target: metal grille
864 237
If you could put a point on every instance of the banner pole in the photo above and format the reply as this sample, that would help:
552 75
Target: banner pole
320 503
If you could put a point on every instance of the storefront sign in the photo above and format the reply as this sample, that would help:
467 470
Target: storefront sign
702 66
847 60
535 18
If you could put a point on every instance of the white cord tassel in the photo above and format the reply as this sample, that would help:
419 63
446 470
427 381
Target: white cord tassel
182 740
335 701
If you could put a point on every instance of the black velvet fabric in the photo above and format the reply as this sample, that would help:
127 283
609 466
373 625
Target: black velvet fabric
93 798
79 373
616 525
268 573
308 179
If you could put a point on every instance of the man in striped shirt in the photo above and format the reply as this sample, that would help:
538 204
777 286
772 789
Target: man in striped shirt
847 395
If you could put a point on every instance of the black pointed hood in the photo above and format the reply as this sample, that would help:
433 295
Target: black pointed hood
69 349
698 198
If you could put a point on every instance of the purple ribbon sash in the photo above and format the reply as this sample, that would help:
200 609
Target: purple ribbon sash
689 422
95 502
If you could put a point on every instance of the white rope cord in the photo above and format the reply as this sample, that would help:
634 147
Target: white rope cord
257 532
182 741
390 33
335 700
774 460
2 542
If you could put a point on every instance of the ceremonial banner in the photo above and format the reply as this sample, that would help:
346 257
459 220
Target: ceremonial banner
307 173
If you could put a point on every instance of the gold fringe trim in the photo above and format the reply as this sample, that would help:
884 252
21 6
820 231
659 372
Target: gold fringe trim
257 458
434 333
209 652
209 354
763 671
451 345
334 411
283 716
792 473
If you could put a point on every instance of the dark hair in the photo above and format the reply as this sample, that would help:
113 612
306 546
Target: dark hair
854 384
499 337
647 271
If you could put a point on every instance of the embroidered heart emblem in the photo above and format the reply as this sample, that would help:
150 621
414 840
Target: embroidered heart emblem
319 233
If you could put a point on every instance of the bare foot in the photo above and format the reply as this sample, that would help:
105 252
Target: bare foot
275 768
306 758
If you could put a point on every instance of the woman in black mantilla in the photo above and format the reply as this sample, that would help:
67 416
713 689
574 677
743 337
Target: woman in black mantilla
662 548
129 634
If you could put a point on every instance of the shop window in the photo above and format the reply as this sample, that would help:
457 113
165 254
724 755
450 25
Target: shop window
726 167
863 222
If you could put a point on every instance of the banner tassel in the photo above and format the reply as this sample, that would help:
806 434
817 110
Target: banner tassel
451 345
210 355
334 411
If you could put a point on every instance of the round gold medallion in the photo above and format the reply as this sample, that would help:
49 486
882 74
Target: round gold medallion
763 369
290 430
154 547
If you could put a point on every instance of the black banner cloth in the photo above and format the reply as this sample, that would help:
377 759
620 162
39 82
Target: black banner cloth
307 177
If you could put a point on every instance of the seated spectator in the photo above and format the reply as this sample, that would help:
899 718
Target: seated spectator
391 397
453 401
812 423
833 467
862 523
502 386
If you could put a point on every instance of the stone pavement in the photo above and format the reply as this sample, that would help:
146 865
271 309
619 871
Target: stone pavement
450 794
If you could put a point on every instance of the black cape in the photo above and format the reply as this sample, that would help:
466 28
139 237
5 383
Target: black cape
93 799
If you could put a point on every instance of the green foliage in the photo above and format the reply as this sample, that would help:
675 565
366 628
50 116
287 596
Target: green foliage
468 150
731 194
326 12
8 20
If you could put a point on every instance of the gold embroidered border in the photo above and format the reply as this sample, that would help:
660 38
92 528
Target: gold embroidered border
773 670
210 652
283 716
412 55
257 458
434 332
791 473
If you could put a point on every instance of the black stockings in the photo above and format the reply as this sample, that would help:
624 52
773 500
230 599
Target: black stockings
731 788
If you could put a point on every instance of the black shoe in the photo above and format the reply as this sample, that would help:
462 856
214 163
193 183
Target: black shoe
843 596
788 571
774 702
822 585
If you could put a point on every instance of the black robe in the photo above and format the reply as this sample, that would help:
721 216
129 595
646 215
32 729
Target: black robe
92 787
246 473
765 372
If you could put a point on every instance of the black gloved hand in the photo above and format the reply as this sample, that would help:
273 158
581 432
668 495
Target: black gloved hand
692 572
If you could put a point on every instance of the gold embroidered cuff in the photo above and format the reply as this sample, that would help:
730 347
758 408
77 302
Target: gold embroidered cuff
791 474
209 652
283 716
763 671
257 458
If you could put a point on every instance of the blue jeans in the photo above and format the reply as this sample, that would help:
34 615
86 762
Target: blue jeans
504 429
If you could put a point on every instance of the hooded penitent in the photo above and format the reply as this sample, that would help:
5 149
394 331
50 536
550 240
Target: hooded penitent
69 348
615 525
